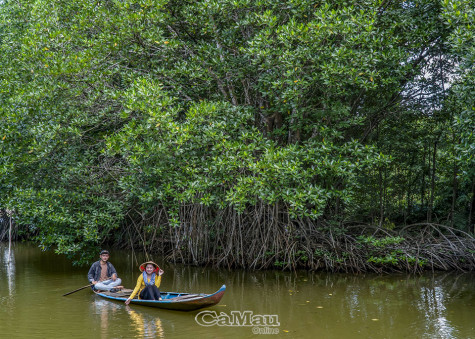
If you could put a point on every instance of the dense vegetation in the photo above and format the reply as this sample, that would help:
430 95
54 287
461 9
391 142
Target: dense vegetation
252 133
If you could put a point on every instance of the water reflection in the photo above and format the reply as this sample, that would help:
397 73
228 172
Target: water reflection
308 304
105 312
108 314
432 303
9 262
147 326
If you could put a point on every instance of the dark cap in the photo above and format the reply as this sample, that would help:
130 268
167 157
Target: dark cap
104 252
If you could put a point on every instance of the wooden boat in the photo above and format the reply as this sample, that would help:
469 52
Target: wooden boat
170 300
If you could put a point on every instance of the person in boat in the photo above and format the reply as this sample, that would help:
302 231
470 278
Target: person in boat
103 274
148 282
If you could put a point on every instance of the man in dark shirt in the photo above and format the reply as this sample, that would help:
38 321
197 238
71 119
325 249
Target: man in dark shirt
103 274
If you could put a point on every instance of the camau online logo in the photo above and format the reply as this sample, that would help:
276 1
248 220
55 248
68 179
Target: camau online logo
236 318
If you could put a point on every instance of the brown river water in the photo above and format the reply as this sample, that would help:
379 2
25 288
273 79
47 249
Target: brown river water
299 304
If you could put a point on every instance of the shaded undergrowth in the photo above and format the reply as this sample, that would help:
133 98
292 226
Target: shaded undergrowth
266 237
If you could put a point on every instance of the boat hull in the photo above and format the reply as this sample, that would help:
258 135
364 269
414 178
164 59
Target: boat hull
172 300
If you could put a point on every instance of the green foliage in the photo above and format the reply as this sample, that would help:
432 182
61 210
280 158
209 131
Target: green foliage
302 256
380 242
460 16
395 258
111 109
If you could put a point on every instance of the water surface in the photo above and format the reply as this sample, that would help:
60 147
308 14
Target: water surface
308 305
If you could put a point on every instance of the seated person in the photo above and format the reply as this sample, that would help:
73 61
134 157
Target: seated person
103 274
148 282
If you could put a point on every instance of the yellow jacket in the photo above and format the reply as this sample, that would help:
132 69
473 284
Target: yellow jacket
141 285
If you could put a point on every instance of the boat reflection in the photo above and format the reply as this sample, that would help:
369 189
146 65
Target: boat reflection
147 326
107 314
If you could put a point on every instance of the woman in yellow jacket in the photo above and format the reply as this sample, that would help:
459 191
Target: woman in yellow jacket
148 282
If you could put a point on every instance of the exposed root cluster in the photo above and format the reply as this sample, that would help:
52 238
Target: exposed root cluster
266 237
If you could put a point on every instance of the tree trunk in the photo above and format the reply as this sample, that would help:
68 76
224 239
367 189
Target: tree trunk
454 194
423 186
472 207
432 186
381 198
10 238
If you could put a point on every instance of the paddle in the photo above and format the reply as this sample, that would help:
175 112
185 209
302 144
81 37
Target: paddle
78 289
81 288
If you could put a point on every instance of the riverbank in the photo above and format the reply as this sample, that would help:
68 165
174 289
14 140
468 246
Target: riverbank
355 249
350 249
